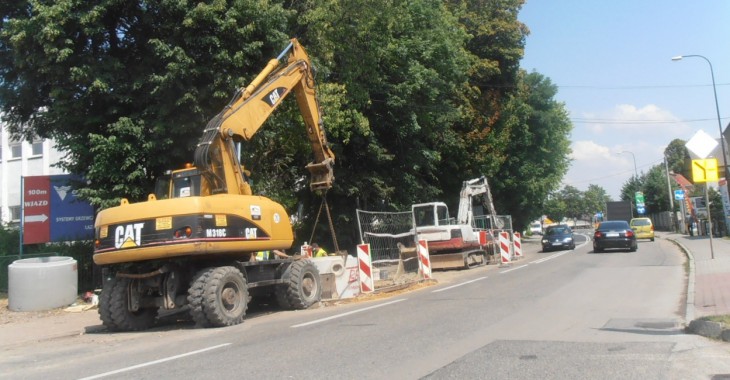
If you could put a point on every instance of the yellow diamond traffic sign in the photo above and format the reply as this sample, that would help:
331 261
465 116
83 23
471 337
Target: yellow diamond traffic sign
704 170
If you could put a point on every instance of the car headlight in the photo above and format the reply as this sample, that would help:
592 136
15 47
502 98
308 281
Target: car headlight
568 240
544 241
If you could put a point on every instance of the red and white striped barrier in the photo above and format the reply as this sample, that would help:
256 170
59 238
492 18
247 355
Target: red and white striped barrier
367 284
424 260
482 238
504 248
306 251
517 241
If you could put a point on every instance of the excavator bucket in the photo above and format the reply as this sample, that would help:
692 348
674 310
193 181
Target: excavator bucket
322 175
448 261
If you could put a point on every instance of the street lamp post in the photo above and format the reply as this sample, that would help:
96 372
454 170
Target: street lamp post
717 109
636 172
671 196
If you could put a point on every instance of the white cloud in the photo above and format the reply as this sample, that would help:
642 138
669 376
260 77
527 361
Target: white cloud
641 132
589 150
639 121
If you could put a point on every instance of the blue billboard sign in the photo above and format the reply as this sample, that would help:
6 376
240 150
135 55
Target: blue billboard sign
52 212
71 218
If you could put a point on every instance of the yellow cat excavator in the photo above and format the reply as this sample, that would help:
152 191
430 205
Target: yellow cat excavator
194 241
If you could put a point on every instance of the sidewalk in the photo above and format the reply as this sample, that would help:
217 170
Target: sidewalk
27 328
711 275
708 288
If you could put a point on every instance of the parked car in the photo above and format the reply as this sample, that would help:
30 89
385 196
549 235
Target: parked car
536 228
558 237
643 228
614 234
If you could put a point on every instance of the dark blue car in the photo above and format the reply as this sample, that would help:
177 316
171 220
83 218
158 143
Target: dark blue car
557 237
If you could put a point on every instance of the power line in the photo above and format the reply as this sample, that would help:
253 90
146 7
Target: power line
624 121
638 87
630 171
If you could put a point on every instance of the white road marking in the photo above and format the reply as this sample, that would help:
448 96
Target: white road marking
544 259
510 270
153 362
346 314
457 285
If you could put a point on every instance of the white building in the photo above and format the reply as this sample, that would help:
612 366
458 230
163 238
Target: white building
19 159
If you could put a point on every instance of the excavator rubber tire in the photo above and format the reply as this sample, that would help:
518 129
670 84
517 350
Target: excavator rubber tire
218 296
302 286
113 309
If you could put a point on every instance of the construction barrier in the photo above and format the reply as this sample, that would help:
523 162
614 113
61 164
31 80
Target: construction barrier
423 259
482 238
367 285
504 247
306 250
517 242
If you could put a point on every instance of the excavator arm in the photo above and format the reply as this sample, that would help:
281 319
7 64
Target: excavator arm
215 155
470 189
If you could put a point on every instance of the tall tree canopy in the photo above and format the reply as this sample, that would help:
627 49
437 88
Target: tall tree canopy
678 158
126 87
538 149
418 96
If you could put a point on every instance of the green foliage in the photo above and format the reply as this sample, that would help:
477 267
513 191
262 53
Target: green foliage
654 182
630 187
538 149
402 68
572 203
142 74
417 96
678 158
717 212
9 241
656 194
595 199
555 207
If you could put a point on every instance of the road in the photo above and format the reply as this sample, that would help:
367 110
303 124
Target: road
562 315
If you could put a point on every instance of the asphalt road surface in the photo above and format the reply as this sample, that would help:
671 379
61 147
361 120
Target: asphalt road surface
556 315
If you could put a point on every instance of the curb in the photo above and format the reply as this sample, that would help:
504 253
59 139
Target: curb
689 314
702 327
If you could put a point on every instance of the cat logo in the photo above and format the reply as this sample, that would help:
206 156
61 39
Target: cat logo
128 236
273 97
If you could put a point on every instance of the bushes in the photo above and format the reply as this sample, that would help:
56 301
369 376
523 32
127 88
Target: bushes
81 251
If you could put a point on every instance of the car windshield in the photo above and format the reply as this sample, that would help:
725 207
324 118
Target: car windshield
615 225
640 222
557 231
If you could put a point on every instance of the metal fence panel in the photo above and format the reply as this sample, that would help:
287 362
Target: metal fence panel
389 233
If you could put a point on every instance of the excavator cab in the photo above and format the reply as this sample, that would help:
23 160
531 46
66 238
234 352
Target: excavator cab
179 184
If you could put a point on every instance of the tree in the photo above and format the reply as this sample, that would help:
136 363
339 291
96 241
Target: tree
126 87
630 187
595 199
717 213
678 158
574 202
418 96
402 68
569 202
655 190
539 148
555 207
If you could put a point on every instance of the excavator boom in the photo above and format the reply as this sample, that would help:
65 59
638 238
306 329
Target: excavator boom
247 112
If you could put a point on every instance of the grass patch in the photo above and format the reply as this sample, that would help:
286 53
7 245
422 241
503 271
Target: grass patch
719 318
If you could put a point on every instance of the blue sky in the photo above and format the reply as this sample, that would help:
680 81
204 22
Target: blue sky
611 61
